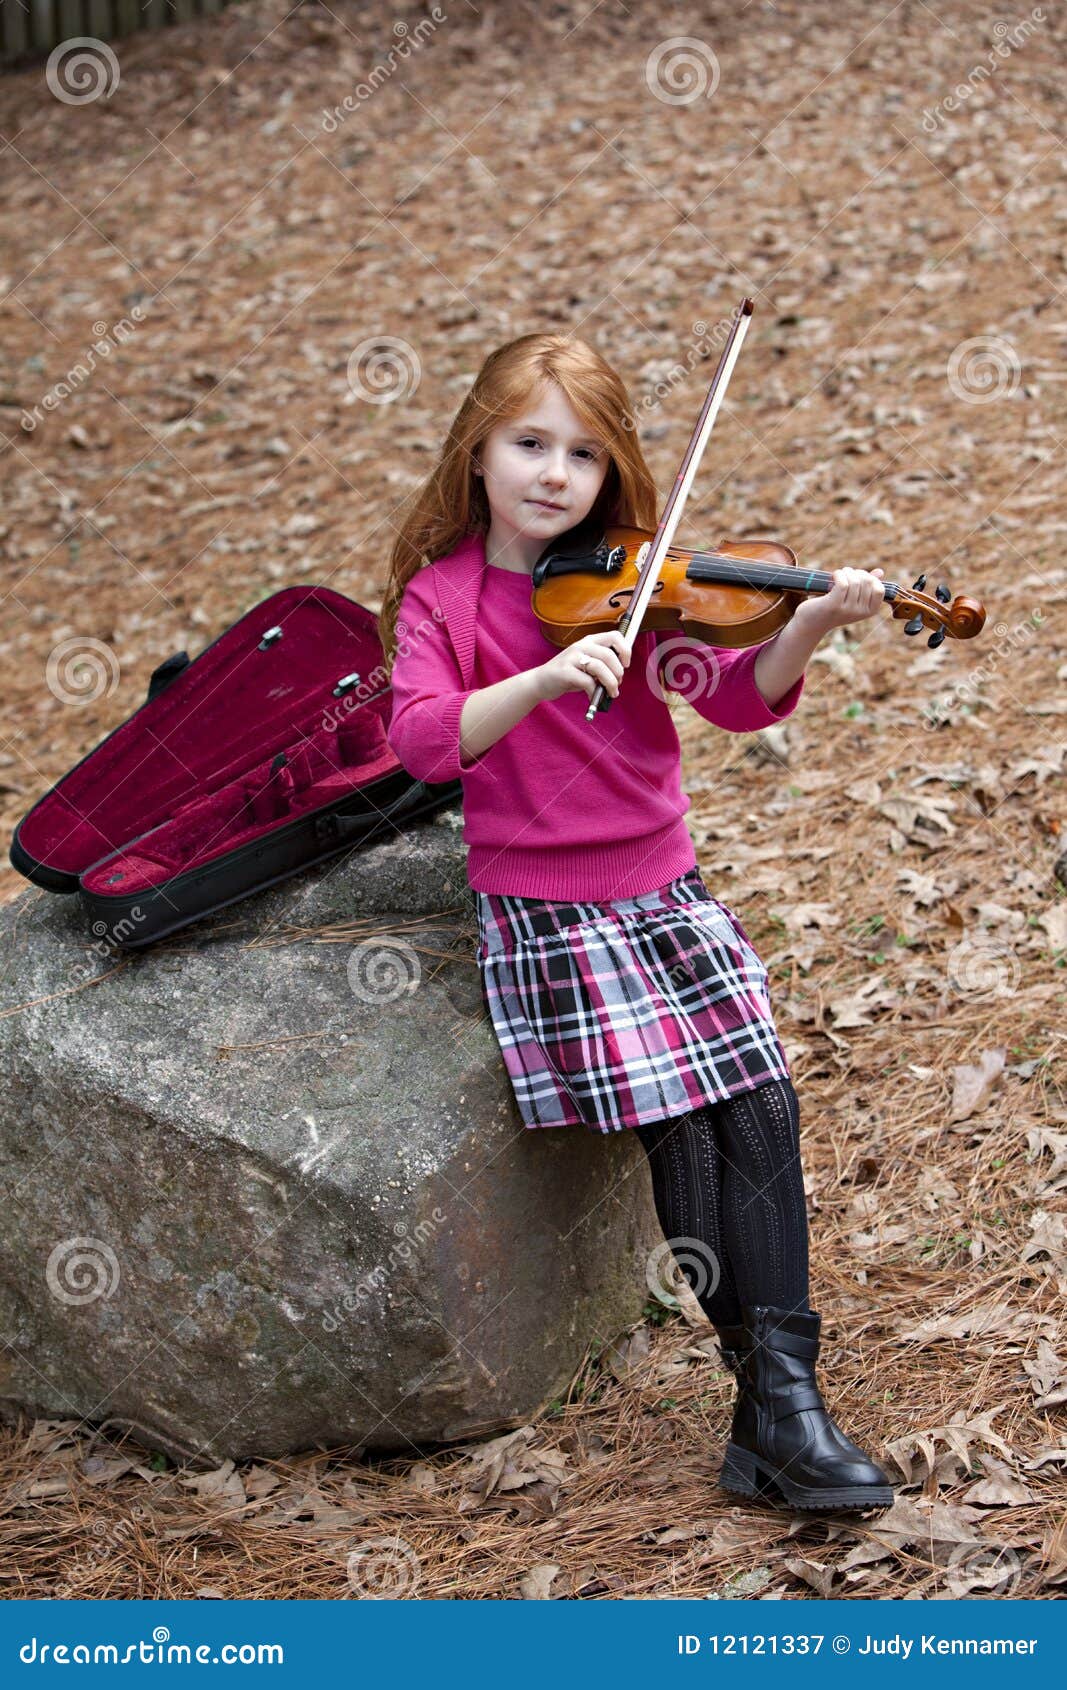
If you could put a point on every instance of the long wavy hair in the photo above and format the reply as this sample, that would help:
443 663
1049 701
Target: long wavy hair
452 502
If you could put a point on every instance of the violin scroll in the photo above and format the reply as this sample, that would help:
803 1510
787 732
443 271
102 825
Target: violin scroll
964 618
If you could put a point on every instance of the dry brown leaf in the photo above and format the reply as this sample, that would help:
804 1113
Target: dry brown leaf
1046 1457
820 1577
919 819
1054 1548
799 916
536 1585
957 1437
104 1470
926 889
1054 921
1047 1376
883 1235
1050 1234
999 1320
260 1481
936 1529
1045 1138
863 1554
627 1355
222 1482
852 1009
511 1463
973 1085
1000 1489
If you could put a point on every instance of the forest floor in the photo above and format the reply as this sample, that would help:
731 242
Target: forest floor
886 182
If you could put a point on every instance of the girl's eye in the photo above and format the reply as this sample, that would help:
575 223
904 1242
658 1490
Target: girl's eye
583 449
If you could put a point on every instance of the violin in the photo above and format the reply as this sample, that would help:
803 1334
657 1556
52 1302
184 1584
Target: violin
738 593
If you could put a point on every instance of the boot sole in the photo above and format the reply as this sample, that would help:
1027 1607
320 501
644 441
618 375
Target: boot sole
745 1474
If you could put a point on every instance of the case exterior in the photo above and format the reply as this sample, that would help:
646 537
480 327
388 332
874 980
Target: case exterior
317 778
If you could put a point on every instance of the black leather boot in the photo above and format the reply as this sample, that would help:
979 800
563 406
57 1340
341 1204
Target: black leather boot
784 1446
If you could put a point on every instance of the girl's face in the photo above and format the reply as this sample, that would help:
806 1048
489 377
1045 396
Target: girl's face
543 470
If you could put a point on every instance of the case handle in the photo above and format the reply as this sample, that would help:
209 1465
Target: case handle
168 670
329 828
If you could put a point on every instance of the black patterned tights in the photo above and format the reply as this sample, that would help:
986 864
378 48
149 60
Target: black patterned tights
729 1194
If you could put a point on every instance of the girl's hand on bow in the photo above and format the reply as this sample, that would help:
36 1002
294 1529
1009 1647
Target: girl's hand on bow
580 666
855 595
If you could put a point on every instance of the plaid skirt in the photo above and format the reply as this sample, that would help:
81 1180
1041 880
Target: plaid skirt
612 1014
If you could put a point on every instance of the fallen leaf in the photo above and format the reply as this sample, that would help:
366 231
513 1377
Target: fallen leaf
957 1437
798 916
973 1085
1058 1457
852 1009
1050 1233
1001 1320
926 889
919 819
221 1482
1054 921
820 1577
535 1585
510 1463
936 1530
627 1355
1047 1377
1000 1489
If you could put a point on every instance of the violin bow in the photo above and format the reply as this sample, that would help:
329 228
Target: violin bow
650 558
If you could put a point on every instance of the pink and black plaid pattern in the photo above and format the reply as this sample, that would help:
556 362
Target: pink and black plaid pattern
612 1014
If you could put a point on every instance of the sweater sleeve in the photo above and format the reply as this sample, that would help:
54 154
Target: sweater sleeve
427 688
720 684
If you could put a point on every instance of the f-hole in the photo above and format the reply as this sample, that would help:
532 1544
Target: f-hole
615 599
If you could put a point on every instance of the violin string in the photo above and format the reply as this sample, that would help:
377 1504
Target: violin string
755 574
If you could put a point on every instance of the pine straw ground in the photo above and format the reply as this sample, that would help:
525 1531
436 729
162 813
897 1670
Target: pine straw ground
893 851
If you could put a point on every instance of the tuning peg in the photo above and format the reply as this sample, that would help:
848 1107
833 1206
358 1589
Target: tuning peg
942 594
936 638
915 626
920 583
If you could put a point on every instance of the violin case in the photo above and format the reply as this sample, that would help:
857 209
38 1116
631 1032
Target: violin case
265 754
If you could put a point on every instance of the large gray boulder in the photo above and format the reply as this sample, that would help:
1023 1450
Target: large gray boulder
265 1191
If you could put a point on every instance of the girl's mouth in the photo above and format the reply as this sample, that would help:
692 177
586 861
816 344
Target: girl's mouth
546 506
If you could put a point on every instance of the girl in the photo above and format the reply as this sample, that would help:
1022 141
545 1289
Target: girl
623 995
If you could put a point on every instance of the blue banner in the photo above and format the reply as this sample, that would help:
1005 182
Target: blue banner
534 1644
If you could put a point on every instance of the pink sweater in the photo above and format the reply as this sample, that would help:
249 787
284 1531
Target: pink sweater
559 807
